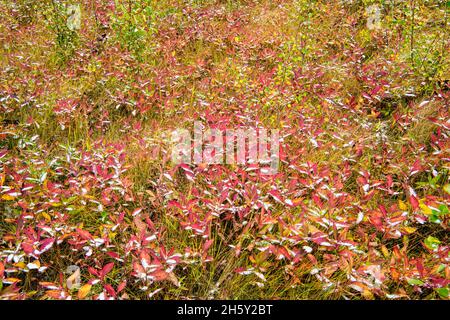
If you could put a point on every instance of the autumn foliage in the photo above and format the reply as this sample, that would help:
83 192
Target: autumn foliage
92 207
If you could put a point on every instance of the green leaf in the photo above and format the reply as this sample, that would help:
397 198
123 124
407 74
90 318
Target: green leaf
443 292
436 214
435 219
432 243
104 215
415 282
444 210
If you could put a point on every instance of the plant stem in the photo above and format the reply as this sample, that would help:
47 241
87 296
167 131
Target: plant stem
412 6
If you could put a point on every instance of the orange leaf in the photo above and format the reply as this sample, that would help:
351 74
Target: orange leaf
84 291
394 274
11 280
55 294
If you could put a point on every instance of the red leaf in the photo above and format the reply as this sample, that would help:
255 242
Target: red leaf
93 271
365 95
414 202
2 270
46 244
159 275
113 255
375 90
283 251
145 258
107 269
239 270
420 267
390 181
317 200
27 248
110 290
376 219
84 234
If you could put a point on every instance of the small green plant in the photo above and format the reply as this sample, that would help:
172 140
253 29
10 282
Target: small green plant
133 24
67 38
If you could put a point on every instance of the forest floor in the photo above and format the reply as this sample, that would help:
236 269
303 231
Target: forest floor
92 206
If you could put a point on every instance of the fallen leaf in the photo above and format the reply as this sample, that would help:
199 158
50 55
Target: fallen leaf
84 291
74 280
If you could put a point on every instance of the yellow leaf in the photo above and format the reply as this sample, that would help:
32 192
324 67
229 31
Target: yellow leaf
84 291
409 230
20 265
7 197
402 205
312 229
46 216
385 251
367 294
447 188
425 209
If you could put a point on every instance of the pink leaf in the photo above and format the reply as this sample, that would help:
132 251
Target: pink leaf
121 286
207 245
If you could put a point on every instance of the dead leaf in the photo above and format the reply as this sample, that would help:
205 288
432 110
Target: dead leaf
172 278
74 280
